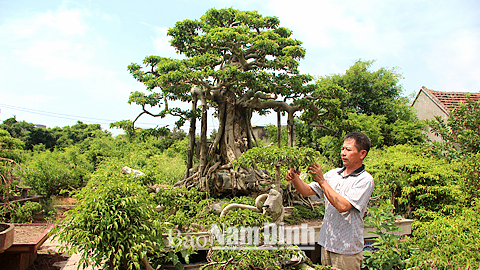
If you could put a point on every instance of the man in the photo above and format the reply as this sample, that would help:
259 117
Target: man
346 191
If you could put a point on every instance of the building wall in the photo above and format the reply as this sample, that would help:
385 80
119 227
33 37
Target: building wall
260 133
427 109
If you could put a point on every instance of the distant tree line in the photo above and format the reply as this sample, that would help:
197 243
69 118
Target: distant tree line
60 137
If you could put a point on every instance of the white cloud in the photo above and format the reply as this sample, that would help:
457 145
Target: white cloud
435 40
57 42
58 58
62 45
49 24
66 22
340 25
162 43
312 23
455 61
63 57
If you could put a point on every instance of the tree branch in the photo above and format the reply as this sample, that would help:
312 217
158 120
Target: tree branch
142 113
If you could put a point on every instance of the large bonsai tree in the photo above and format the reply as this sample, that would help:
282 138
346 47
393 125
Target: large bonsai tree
237 63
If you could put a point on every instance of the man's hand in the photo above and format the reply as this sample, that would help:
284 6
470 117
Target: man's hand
302 187
338 201
292 174
316 171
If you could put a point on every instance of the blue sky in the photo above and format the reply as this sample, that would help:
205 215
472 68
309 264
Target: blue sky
63 61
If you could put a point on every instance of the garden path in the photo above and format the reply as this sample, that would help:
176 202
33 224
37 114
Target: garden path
51 247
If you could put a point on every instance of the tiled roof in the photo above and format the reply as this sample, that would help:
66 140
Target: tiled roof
451 100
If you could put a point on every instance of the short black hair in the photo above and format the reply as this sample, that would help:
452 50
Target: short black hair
362 141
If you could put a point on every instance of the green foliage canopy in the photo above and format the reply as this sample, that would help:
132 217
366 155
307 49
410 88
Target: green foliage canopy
9 146
28 133
361 100
417 185
240 56
470 182
447 242
386 256
293 157
70 135
460 133
51 173
50 138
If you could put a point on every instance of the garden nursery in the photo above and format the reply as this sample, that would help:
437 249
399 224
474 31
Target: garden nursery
165 198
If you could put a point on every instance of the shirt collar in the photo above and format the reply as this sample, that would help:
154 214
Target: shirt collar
355 173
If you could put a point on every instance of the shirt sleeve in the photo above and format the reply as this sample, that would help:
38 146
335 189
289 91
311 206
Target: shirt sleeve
360 193
316 187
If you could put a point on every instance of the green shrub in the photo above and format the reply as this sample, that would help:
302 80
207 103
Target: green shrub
287 157
303 212
114 223
158 168
243 217
51 173
165 169
418 185
5 212
10 147
179 147
250 259
182 207
470 182
460 133
254 258
386 256
25 213
19 213
447 242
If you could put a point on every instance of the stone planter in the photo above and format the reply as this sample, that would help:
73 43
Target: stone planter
7 232
405 226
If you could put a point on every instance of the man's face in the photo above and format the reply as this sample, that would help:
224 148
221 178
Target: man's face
350 154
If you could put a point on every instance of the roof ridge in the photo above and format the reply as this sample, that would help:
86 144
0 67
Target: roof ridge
456 93
431 93
450 92
449 100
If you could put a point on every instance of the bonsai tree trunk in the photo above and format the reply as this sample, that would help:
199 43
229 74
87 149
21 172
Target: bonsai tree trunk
203 136
234 138
290 130
191 139
279 128
215 167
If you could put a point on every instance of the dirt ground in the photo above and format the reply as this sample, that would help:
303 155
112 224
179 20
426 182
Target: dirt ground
28 234
46 258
